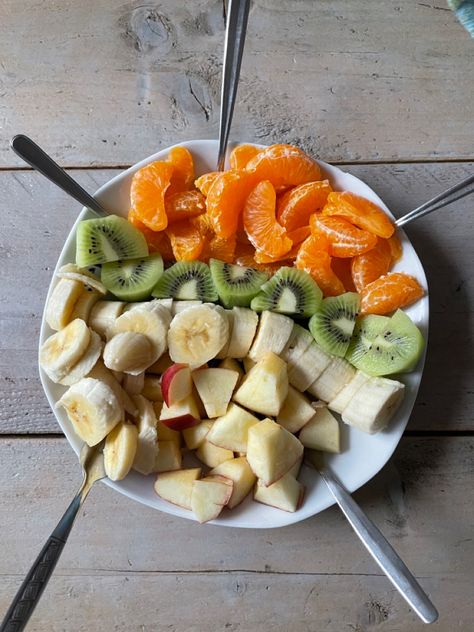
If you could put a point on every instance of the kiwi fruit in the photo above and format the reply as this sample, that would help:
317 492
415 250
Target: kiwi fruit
133 279
110 238
289 291
333 324
395 347
236 285
188 281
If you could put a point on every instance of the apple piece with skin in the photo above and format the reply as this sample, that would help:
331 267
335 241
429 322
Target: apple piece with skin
176 383
238 471
215 388
295 412
286 494
211 455
209 496
180 415
321 432
272 451
265 387
152 388
177 487
168 458
165 433
231 430
193 437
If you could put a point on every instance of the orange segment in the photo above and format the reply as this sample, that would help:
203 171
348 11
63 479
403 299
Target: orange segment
316 261
184 205
296 205
157 241
390 292
261 257
186 241
147 194
214 246
342 269
183 170
360 212
240 156
247 261
284 166
226 199
299 234
345 240
260 224
396 249
371 265
204 182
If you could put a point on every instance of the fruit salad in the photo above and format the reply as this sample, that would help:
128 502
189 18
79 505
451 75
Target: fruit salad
231 323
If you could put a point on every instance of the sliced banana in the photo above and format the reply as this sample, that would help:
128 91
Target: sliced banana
273 333
61 351
101 372
197 334
103 316
120 450
72 271
61 303
224 352
93 409
147 446
166 302
243 332
84 304
86 363
133 384
180 306
129 352
152 322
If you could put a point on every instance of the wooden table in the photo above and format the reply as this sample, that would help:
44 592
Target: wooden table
383 89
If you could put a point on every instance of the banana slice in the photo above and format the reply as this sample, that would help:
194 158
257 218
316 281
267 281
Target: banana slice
119 450
85 365
101 372
61 303
93 409
71 271
84 304
243 332
166 302
152 322
197 335
133 384
273 333
103 316
129 352
224 352
147 446
64 349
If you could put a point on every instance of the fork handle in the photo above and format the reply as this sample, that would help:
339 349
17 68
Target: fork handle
35 582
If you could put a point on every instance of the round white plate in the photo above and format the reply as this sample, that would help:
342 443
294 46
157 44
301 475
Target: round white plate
362 455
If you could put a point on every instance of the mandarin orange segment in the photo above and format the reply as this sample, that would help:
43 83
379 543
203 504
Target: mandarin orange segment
299 234
261 257
214 246
240 156
361 212
226 199
204 182
147 193
316 261
184 205
371 265
390 292
396 249
186 241
183 170
247 261
284 166
345 240
260 224
342 269
157 241
296 205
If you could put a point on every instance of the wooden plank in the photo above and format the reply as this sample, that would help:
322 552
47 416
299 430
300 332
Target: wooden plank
37 217
389 83
124 558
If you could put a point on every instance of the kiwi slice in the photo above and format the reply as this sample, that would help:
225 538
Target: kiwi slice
133 279
333 324
110 238
289 291
393 345
236 285
186 280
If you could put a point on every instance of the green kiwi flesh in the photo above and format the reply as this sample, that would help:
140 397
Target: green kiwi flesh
236 285
133 279
187 281
110 238
289 291
333 324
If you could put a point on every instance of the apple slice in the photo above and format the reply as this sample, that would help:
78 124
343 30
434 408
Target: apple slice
152 388
177 487
295 412
209 496
272 451
180 415
168 458
215 388
211 455
232 365
265 387
231 430
321 432
193 437
240 473
286 494
167 434
176 383
295 470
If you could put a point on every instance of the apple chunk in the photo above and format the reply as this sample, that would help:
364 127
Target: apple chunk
168 458
152 388
177 487
240 473
272 451
176 383
215 388
211 455
193 437
286 494
180 415
209 496
232 365
295 412
321 432
265 387
231 430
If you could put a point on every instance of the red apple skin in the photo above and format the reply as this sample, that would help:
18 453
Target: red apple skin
181 423
301 498
167 379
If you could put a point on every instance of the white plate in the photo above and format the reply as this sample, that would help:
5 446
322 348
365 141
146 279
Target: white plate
362 456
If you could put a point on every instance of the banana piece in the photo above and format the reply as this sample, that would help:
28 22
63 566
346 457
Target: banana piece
72 271
61 351
103 315
298 342
85 365
180 306
152 321
93 409
147 445
133 384
303 371
197 334
128 352
120 450
84 304
224 352
373 405
102 373
345 395
166 302
245 324
332 380
273 333
61 303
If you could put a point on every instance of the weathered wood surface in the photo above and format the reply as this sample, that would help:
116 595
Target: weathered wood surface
103 82
36 219
127 567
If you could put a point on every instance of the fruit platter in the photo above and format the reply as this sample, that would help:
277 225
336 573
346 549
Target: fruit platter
217 326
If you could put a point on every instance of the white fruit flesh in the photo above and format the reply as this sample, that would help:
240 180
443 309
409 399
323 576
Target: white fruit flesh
215 388
295 412
345 395
133 384
177 487
273 333
119 451
211 455
321 432
61 351
333 379
61 303
243 332
232 365
147 445
176 383
151 322
240 473
265 387
103 316
165 433
175 415
286 494
298 342
209 496
129 352
223 353
248 364
86 363
101 372
194 436
84 304
74 272
180 306
231 430
308 367
169 457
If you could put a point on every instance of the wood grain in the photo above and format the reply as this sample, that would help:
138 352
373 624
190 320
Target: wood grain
132 568
104 82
